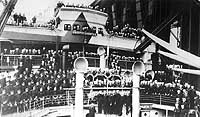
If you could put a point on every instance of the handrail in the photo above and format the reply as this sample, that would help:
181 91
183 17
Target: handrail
93 61
9 60
21 55
68 99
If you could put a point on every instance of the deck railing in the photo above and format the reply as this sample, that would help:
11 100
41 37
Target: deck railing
68 99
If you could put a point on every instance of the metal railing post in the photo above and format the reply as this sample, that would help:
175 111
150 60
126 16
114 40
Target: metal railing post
1 109
34 105
43 103
24 106
166 114
17 108
68 97
29 104
160 100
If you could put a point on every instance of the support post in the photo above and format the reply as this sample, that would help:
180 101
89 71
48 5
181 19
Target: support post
138 69
101 52
102 61
166 114
63 63
79 94
136 96
80 66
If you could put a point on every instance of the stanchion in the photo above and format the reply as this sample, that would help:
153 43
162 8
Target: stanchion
80 66
1 110
101 51
136 96
138 69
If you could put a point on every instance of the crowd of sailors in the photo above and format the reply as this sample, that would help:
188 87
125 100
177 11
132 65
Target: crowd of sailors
50 79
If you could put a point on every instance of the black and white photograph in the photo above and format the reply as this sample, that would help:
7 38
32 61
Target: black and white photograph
99 58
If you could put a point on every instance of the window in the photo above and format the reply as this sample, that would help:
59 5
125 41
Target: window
76 27
67 27
85 28
94 29
100 31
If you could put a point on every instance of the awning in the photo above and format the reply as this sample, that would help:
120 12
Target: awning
178 53
178 58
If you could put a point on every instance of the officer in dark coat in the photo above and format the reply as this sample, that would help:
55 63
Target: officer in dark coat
34 91
100 99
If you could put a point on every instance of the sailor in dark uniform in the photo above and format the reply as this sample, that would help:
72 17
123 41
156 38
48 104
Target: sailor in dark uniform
34 91
41 91
18 98
23 87
60 89
55 88
48 90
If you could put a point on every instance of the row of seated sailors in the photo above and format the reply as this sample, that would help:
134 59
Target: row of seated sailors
61 4
106 83
29 51
34 103
47 77
51 61
48 54
125 31
26 94
100 78
115 57
146 89
158 88
123 34
40 77
22 92
90 74
166 88
72 55
111 74
97 81
50 84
